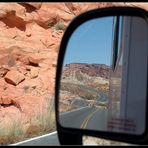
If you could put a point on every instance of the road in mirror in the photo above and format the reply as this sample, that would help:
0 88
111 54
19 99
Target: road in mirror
90 87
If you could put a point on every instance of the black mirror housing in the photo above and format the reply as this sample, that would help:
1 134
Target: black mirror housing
66 133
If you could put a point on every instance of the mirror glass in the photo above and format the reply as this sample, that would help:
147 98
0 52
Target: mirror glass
94 85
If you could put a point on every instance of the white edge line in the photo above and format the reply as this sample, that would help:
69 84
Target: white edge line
35 138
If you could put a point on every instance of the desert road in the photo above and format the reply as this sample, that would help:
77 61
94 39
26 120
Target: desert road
84 118
45 140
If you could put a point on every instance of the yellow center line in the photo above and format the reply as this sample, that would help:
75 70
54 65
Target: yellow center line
87 119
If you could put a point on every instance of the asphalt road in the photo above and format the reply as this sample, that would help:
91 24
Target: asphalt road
45 140
84 118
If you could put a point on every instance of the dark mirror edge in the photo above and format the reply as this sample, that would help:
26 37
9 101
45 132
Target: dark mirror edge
77 21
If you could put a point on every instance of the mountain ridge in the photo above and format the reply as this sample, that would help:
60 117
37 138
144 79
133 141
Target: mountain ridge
92 70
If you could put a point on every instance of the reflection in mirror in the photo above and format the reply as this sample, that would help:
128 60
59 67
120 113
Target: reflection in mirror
92 75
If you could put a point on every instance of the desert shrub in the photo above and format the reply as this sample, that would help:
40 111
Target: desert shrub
26 88
16 129
79 76
44 121
60 26
13 133
47 118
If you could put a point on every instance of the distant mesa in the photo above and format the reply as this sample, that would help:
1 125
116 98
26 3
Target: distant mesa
92 70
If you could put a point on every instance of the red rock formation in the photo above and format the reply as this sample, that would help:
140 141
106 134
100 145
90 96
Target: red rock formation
89 69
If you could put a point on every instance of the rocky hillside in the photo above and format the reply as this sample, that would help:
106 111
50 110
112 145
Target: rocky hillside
84 84
92 70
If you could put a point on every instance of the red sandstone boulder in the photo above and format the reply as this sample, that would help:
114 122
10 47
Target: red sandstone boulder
34 72
14 77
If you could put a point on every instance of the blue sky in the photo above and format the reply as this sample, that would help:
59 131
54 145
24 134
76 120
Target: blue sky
91 43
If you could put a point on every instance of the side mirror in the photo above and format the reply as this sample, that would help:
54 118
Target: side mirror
101 78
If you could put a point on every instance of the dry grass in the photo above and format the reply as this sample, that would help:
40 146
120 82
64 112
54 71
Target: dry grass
42 124
47 118
11 133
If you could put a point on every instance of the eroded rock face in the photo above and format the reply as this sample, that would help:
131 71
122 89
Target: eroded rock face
101 70
14 77
30 34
